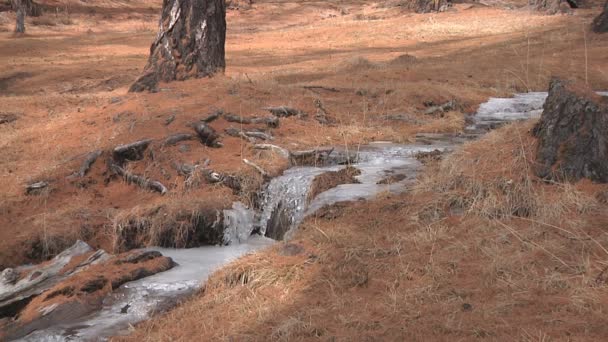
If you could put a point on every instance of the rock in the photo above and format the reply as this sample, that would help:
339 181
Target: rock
553 6
72 295
600 23
42 278
8 276
572 134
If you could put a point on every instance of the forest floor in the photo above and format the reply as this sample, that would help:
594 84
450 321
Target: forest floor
399 267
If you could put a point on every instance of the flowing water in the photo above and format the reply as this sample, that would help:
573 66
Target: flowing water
137 301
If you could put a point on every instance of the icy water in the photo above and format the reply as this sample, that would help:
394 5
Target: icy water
137 301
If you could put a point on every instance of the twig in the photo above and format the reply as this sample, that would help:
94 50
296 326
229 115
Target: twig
257 167
512 231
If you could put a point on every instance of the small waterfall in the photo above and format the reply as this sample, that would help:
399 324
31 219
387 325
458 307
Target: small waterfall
284 203
239 223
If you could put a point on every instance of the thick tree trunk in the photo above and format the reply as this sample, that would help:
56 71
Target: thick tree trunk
20 9
600 24
190 43
32 9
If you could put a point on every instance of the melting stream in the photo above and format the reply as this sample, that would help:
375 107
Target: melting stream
284 197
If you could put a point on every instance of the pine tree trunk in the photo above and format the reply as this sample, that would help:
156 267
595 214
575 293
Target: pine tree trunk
20 9
190 43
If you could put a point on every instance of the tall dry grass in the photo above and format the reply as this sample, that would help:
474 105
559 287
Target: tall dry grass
493 178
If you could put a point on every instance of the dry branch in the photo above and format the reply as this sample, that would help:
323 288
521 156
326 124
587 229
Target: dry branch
272 122
88 162
140 181
178 137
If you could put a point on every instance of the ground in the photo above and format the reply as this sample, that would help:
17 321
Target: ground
67 80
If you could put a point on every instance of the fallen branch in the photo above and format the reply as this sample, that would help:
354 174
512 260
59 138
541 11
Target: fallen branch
207 134
313 88
178 137
257 167
140 181
88 162
283 152
35 188
272 122
284 111
259 135
132 151
213 116
233 132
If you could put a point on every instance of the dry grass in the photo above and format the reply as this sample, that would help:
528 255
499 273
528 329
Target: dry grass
182 222
389 270
494 179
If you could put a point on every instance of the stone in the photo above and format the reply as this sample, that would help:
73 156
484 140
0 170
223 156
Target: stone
8 276
572 134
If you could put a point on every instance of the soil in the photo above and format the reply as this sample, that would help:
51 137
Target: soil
66 82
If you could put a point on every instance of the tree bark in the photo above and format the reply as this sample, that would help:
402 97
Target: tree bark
190 43
600 24
20 9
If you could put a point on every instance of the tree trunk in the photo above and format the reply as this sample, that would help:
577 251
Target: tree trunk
32 9
190 43
20 9
600 24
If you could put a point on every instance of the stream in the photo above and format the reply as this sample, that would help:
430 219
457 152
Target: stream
284 196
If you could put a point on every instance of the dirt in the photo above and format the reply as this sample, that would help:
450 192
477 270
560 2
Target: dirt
67 80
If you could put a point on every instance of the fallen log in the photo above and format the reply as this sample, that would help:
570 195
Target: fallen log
140 181
213 116
284 111
178 137
130 152
88 162
233 132
259 135
208 135
45 276
272 122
